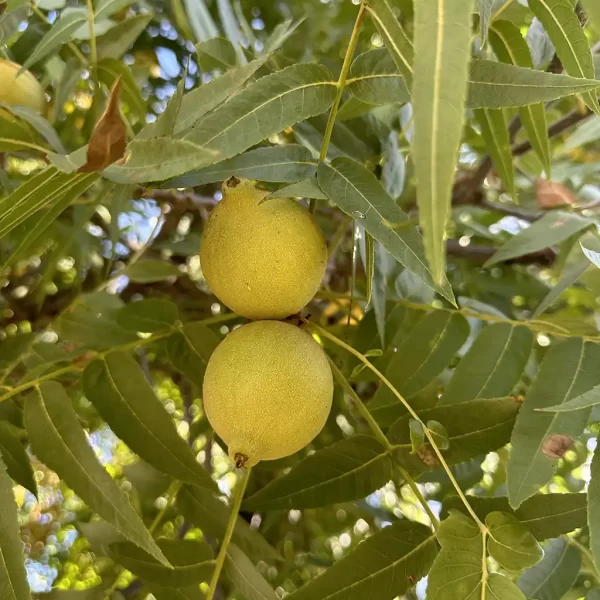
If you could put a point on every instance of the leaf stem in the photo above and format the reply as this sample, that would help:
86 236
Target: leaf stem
93 48
124 347
324 333
341 84
235 509
378 433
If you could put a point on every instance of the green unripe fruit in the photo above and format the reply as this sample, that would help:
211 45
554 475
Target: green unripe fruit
21 90
264 259
267 390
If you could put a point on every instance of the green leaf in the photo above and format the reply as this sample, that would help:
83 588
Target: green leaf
119 39
397 42
510 47
551 229
554 576
494 130
439 92
546 515
493 365
594 505
93 326
511 543
60 32
486 10
457 572
216 53
568 278
13 348
42 190
382 567
59 441
158 159
358 193
110 70
498 85
474 428
274 164
39 123
13 577
369 264
348 470
592 8
421 357
438 433
264 108
244 576
15 457
148 315
204 509
105 8
190 349
94 593
588 399
591 255
165 123
151 270
200 19
32 230
194 562
119 390
572 47
374 79
538 439
308 188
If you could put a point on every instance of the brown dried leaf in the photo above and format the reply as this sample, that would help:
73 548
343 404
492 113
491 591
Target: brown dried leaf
556 445
551 194
109 138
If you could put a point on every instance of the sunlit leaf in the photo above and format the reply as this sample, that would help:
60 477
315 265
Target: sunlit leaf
15 456
546 515
473 428
382 566
348 470
569 277
421 357
190 349
492 366
148 315
572 47
59 33
539 438
394 37
498 85
194 562
551 229
308 188
119 390
216 53
274 164
119 39
374 79
555 574
13 577
357 192
439 92
244 576
510 47
59 441
511 542
264 108
150 270
457 572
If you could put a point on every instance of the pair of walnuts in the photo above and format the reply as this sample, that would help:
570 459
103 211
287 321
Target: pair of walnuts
268 386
